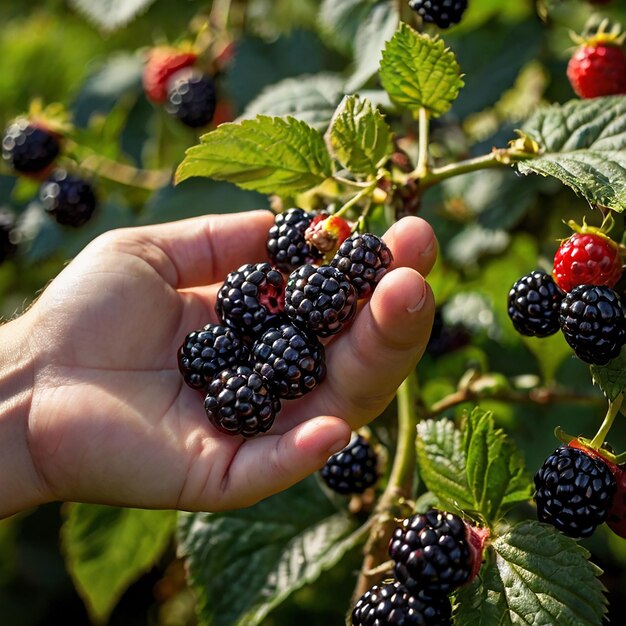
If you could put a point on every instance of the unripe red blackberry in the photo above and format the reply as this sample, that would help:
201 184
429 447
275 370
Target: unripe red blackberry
239 402
70 199
191 98
392 604
320 299
206 352
290 359
251 298
353 469
29 148
364 259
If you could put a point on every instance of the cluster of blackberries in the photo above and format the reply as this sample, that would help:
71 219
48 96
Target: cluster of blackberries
171 79
434 554
268 346
31 148
578 488
578 298
443 13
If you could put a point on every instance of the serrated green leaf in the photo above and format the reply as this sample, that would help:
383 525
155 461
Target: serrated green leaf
583 144
111 14
107 548
244 563
534 575
311 99
611 378
268 154
358 137
418 71
441 459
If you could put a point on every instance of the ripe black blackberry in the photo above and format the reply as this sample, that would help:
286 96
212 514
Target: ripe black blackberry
29 148
286 244
239 402
291 360
353 469
391 603
364 259
592 320
206 352
8 247
191 98
533 305
431 552
251 298
70 199
320 299
574 491
444 13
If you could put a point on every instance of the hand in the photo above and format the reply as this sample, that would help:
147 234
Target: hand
108 418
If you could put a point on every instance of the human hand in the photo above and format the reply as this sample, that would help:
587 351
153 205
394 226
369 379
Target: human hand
108 418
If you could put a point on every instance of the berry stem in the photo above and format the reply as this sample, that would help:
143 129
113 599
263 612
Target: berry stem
613 410
436 175
421 169
366 191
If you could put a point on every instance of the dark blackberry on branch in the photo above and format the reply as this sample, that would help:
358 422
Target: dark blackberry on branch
29 148
292 360
70 199
191 98
206 352
443 13
240 402
286 244
353 469
8 247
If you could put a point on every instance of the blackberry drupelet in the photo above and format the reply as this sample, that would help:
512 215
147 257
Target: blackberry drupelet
191 98
391 603
251 298
292 360
239 402
364 259
8 247
320 299
592 320
353 469
574 491
206 352
29 148
533 305
431 552
443 13
70 199
286 244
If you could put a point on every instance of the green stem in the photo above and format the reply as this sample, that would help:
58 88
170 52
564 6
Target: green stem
351 183
421 169
613 410
493 159
366 191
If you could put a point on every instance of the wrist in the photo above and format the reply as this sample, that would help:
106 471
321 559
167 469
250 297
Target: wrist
21 486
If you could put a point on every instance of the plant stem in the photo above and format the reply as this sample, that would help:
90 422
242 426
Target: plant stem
612 411
421 169
493 159
351 183
364 192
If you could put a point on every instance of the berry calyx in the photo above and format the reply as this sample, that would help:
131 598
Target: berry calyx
30 148
69 198
163 62
353 469
191 98
443 13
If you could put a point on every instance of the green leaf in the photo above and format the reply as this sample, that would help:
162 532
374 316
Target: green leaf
311 99
441 459
107 548
496 474
358 137
418 71
268 154
110 15
611 378
583 144
534 575
339 20
244 563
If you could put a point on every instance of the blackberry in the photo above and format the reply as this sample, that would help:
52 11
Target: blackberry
353 469
444 13
251 298
286 245
533 305
391 603
364 259
592 320
208 351
574 491
191 98
431 552
446 338
320 299
8 247
239 402
70 199
291 360
29 148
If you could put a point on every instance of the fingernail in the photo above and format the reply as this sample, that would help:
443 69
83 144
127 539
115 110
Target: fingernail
428 250
340 444
419 296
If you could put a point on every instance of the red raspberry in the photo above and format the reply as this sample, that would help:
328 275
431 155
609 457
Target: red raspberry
326 233
162 64
597 69
587 258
